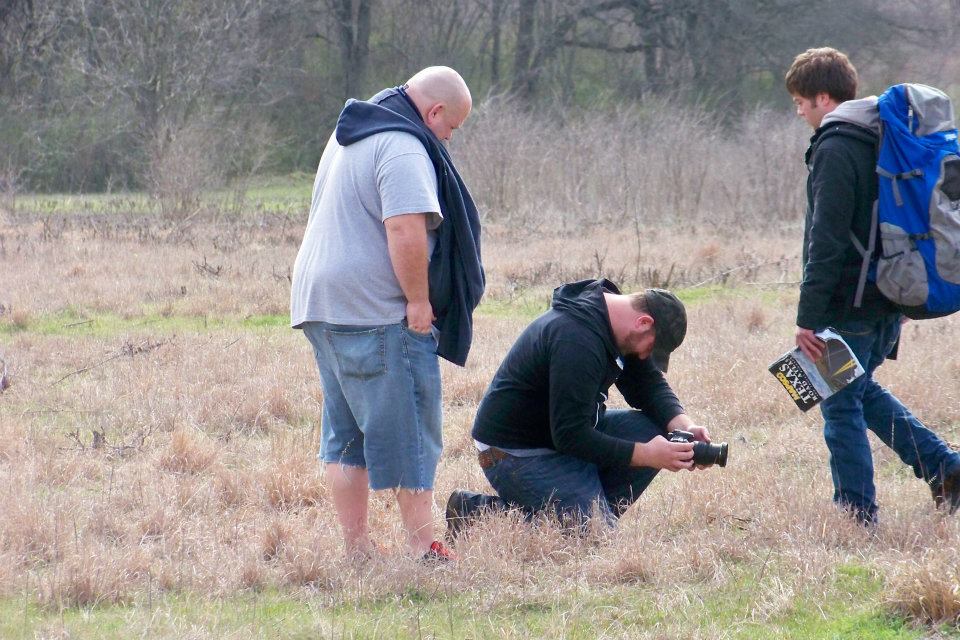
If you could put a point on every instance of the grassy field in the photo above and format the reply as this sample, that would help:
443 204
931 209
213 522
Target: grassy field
158 474
283 194
632 610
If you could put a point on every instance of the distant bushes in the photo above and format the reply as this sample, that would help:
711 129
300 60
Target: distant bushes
643 164
640 164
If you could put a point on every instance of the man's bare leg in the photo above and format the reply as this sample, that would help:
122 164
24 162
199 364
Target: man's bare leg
416 511
349 488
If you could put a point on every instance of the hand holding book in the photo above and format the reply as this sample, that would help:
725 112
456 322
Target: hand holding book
810 381
809 343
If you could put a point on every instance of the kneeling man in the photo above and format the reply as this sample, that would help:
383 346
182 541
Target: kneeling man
546 441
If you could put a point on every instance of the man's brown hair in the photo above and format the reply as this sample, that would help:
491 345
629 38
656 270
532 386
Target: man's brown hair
823 70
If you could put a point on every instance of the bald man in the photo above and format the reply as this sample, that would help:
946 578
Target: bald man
386 280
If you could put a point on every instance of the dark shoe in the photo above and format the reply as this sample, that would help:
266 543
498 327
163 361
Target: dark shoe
439 554
463 507
458 513
866 517
947 491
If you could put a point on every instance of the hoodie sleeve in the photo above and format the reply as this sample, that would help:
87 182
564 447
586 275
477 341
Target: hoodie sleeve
645 388
576 384
832 180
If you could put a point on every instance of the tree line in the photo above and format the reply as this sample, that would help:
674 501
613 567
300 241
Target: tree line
101 95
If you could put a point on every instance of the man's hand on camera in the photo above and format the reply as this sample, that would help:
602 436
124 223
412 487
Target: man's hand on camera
701 435
660 453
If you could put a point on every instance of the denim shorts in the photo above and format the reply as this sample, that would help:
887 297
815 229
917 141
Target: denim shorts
381 401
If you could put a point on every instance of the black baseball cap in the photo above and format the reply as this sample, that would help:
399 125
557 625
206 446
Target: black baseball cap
669 324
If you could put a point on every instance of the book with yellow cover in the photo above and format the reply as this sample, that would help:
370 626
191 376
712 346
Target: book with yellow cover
809 382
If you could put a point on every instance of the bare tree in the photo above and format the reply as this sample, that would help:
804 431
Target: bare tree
183 66
353 36
172 91
169 57
496 17
29 31
419 33
31 46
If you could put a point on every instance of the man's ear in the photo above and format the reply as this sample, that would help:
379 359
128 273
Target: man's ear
434 112
643 321
821 99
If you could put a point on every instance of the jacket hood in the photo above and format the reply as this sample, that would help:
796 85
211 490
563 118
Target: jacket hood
389 110
584 301
862 112
858 119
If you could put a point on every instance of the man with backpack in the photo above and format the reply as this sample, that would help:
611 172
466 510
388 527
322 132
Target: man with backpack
839 226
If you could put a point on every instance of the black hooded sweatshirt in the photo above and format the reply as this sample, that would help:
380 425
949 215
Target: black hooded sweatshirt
841 189
550 391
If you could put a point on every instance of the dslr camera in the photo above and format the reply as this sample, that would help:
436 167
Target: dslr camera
704 453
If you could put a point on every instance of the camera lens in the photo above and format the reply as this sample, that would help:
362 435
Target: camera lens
707 453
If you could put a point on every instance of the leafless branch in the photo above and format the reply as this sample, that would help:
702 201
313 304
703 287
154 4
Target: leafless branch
100 442
4 377
128 349
723 274
206 269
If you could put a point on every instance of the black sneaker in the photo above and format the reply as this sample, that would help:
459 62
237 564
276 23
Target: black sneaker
463 507
458 513
947 491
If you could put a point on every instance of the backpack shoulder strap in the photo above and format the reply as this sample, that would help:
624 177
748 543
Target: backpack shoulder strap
866 253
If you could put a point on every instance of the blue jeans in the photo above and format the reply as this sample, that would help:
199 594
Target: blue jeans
381 401
572 487
863 405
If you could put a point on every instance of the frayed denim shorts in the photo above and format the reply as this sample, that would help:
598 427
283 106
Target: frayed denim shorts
381 401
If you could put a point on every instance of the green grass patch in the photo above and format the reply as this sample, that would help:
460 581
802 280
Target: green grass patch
531 303
693 296
526 307
73 322
278 194
82 322
90 203
294 187
850 608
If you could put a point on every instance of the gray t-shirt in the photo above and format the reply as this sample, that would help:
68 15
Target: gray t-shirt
343 273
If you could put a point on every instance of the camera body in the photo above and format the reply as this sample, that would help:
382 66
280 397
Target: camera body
704 453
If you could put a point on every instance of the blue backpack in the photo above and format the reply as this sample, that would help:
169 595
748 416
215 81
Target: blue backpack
917 213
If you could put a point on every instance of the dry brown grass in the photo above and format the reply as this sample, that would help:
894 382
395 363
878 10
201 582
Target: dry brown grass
291 480
187 453
928 588
206 479
19 318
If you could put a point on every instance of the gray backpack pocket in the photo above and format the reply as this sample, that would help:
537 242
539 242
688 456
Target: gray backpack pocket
901 274
945 220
